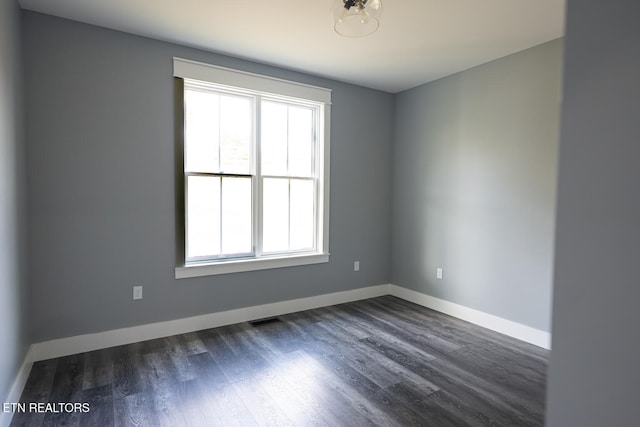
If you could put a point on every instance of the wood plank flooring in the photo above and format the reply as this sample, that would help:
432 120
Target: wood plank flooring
376 362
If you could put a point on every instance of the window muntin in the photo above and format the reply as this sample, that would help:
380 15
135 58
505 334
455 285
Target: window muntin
288 214
289 185
253 174
287 139
218 216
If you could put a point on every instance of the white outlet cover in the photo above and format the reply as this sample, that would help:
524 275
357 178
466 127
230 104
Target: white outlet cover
438 273
137 292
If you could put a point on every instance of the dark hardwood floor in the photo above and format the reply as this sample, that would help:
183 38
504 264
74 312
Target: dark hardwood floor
377 362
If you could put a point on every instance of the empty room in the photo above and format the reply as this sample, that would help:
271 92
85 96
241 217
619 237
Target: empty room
324 212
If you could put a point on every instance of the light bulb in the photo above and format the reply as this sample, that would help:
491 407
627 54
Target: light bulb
343 14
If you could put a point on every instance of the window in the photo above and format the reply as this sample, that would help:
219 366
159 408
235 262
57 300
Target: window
255 171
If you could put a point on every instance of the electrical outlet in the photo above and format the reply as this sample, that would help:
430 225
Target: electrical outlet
438 273
356 266
137 292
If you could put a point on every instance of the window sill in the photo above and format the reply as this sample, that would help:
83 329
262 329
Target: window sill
236 266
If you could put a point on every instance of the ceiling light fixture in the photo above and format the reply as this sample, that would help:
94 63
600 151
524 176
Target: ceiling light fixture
356 18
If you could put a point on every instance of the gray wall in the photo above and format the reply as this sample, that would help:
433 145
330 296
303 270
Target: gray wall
594 373
474 186
99 109
13 315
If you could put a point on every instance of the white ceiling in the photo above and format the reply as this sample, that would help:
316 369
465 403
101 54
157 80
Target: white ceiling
418 40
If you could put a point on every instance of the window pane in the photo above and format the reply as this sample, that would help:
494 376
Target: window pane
236 215
203 216
236 125
301 214
275 215
225 130
274 138
201 131
300 141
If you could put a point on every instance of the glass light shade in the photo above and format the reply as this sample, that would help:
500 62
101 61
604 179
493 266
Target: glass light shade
356 18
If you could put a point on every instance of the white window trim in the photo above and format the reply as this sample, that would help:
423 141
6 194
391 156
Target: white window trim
249 264
188 69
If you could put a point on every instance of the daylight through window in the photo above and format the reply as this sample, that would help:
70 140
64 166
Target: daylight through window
255 169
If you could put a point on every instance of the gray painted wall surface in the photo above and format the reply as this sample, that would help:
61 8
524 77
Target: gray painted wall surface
594 373
474 186
99 107
14 337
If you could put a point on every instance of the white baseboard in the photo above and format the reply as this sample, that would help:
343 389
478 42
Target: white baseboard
489 321
17 387
89 342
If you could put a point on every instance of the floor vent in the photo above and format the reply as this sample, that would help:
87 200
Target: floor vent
265 321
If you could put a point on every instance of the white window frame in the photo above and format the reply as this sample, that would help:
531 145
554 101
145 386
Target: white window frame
273 89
